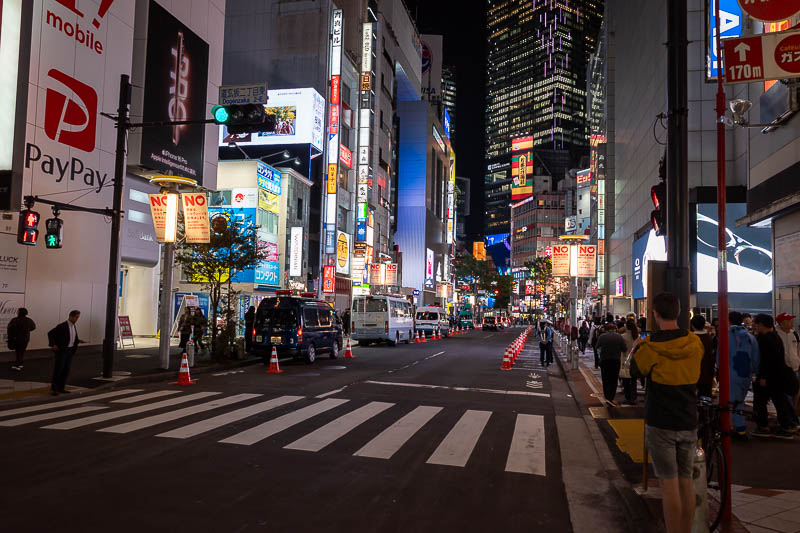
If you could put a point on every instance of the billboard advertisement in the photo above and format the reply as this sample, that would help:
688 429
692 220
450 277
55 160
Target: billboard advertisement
431 65
176 80
428 267
267 272
522 176
296 252
342 253
646 248
9 64
299 119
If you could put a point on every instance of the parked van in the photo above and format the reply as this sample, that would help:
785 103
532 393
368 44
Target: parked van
381 318
428 319
298 326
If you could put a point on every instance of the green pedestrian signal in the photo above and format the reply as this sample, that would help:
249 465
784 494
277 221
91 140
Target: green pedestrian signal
55 231
220 114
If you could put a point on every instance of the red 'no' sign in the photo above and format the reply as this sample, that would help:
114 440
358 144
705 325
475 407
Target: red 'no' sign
770 10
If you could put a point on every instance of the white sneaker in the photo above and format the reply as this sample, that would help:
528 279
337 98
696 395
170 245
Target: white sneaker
18 368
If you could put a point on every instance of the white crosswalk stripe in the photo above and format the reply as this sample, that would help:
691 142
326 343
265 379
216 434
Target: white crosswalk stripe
267 429
527 453
64 403
50 416
457 446
72 424
174 415
149 396
385 445
210 424
318 439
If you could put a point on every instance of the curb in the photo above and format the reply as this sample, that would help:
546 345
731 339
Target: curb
637 513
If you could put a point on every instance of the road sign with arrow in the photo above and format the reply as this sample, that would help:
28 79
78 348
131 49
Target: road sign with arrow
770 56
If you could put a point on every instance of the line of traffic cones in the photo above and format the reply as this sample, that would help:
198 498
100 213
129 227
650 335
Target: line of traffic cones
514 350
183 374
274 367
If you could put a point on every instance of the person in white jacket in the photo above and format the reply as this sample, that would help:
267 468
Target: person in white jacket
791 350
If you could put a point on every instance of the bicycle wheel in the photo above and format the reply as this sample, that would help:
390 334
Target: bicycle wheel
717 479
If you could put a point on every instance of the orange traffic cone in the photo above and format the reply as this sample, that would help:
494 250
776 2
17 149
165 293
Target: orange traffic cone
423 337
348 352
506 361
416 338
274 368
183 374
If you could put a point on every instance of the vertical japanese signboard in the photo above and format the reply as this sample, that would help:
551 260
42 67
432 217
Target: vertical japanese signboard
560 258
521 168
164 210
296 252
334 105
329 279
195 218
587 260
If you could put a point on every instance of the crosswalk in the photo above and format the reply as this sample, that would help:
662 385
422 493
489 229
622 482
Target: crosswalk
128 412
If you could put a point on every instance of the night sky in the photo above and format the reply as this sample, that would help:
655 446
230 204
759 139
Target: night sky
465 47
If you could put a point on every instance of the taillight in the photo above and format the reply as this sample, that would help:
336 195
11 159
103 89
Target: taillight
386 326
254 331
299 334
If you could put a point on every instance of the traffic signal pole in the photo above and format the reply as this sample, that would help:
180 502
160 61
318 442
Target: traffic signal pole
677 279
723 352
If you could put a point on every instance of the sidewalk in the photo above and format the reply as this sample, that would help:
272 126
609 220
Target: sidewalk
765 495
131 364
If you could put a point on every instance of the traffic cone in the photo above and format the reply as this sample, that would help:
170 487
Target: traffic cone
348 352
416 339
183 373
274 368
506 360
423 337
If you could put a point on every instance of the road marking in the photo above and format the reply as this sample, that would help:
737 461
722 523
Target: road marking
148 396
434 355
271 427
331 393
47 416
457 446
73 401
318 439
589 380
228 373
395 436
204 426
72 424
174 415
527 452
461 389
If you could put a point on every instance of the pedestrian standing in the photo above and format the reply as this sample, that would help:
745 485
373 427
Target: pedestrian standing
19 335
64 340
594 334
185 327
775 381
249 324
346 322
791 346
200 324
670 359
631 337
583 337
611 346
747 322
708 365
744 365
545 344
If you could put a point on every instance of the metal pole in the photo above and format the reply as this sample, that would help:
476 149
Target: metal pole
164 326
723 353
677 279
112 298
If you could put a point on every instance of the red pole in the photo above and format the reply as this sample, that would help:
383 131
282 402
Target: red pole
723 353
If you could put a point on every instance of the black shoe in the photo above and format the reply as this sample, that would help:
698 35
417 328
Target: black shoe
781 433
761 432
63 391
53 393
17 368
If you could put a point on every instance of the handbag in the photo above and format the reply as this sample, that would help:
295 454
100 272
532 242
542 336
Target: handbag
625 368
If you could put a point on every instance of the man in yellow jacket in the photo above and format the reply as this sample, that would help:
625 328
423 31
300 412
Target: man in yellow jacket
670 359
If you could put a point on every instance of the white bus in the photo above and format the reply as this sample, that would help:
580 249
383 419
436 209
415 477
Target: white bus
382 318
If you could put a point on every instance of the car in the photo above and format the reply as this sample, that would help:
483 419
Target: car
382 318
298 326
490 322
430 319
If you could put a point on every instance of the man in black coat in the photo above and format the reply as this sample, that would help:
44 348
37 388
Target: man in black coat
249 323
772 382
64 340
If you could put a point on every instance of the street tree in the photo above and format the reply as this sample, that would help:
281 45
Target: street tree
215 267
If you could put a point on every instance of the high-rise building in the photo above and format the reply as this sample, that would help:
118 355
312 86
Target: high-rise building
449 97
536 86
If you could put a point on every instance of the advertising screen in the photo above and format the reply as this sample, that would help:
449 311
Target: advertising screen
647 248
175 86
299 119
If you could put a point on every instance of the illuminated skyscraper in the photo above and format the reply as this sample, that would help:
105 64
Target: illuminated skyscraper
538 51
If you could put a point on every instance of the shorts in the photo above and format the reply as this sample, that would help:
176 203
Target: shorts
672 452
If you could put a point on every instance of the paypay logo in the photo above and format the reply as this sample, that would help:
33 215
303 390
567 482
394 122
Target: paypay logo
70 114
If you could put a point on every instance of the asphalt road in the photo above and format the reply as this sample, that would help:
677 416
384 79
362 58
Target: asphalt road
423 437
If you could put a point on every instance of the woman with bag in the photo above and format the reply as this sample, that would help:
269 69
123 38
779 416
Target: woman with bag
631 336
19 335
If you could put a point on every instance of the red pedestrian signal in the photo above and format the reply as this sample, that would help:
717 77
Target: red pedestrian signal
28 227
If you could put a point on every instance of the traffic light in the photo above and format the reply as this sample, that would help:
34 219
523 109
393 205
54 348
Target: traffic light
54 233
28 227
243 118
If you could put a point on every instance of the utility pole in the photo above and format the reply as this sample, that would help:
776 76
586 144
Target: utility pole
723 352
112 298
677 279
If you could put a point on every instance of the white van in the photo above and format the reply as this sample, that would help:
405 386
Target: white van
430 318
381 318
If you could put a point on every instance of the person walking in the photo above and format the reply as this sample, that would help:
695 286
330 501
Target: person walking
249 323
185 327
346 322
19 335
545 344
594 333
64 340
743 349
708 365
611 346
775 381
791 347
583 337
631 336
670 359
200 324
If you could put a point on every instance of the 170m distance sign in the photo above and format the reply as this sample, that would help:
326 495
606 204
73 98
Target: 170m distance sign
770 56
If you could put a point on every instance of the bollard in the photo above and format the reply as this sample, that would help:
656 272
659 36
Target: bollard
190 349
700 522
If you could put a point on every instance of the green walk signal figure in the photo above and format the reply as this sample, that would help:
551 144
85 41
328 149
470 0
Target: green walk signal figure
55 232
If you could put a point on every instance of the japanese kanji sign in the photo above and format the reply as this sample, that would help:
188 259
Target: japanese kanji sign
770 56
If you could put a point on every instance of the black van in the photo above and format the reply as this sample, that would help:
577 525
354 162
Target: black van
300 326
